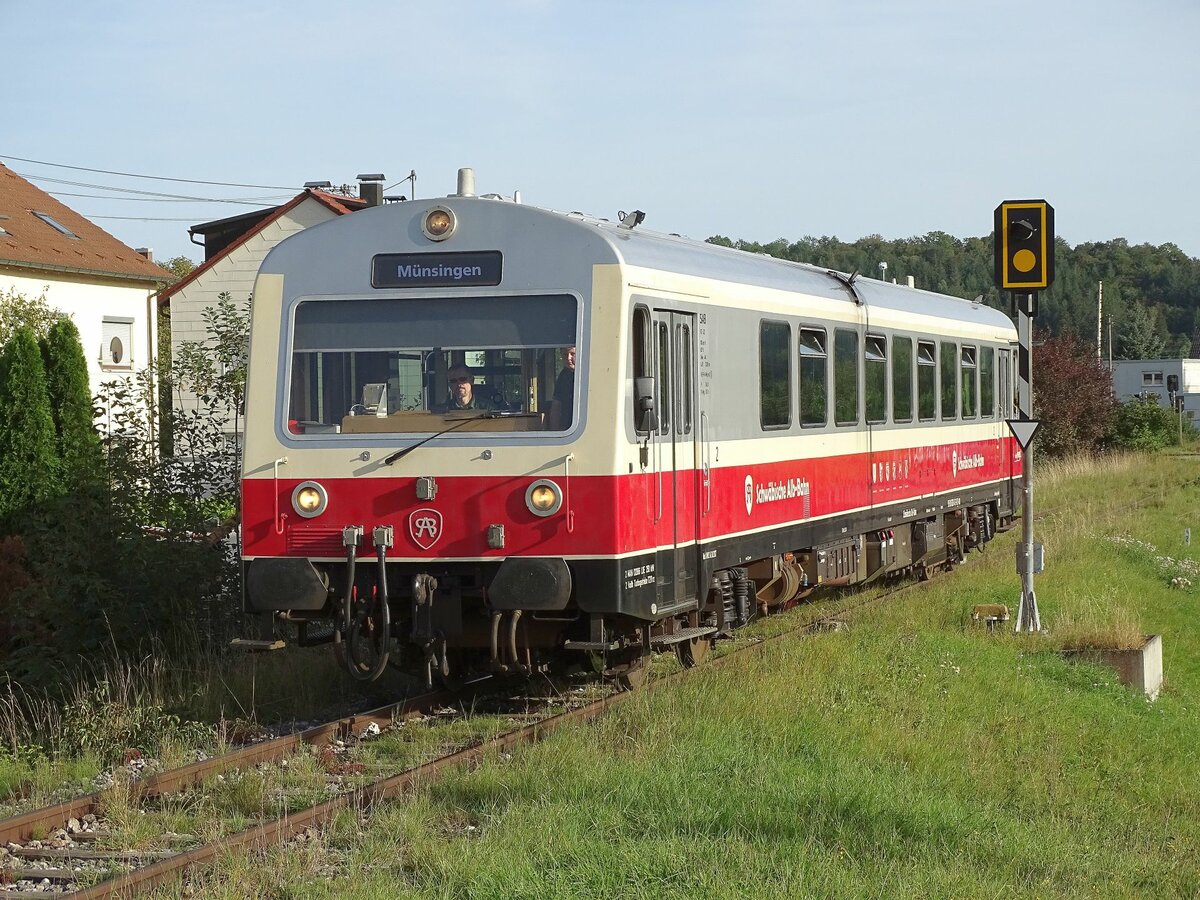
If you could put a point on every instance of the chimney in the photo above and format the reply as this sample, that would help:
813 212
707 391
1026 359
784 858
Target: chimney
146 252
370 188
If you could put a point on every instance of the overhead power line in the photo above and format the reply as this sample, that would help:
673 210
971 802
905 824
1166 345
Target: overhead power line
143 218
257 201
41 162
253 201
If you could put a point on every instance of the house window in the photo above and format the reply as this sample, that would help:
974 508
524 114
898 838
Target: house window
116 343
55 224
1151 379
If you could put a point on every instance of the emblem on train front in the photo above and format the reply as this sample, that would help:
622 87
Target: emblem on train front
749 493
425 527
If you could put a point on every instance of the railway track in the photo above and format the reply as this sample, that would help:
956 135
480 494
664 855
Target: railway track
51 850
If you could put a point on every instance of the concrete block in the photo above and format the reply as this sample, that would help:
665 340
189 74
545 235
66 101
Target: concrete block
1140 668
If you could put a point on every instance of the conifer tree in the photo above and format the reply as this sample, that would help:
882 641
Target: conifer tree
77 443
29 465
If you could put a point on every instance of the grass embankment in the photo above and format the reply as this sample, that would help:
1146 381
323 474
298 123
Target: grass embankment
913 755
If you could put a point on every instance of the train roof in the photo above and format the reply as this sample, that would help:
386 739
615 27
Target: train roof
561 235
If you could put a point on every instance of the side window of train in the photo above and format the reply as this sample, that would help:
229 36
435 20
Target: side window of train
814 377
987 382
926 381
666 387
775 374
970 392
643 360
845 377
683 390
902 379
948 377
875 367
1005 382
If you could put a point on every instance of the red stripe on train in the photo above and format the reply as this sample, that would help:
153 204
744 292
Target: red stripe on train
607 515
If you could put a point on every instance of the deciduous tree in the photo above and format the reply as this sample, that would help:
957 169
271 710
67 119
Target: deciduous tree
1073 397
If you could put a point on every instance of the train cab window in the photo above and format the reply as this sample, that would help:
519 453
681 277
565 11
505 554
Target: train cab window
902 379
926 381
814 377
987 382
875 371
968 372
948 380
845 377
422 365
775 374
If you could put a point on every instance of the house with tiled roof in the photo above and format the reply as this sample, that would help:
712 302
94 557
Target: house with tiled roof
234 248
107 288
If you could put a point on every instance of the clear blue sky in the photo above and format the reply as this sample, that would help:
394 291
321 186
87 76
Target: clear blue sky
755 119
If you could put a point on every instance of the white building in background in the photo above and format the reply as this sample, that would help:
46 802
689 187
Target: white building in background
234 248
1163 379
107 288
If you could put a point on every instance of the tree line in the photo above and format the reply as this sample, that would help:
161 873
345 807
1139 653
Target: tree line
1151 294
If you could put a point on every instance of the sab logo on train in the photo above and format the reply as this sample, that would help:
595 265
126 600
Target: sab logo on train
425 527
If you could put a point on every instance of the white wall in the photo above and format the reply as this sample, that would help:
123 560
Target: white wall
88 304
234 273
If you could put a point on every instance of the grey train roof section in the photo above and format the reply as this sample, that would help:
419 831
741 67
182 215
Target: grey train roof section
566 245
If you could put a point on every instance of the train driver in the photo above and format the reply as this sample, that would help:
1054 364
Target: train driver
461 381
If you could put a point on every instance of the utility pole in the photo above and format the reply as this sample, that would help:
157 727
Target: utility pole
1100 324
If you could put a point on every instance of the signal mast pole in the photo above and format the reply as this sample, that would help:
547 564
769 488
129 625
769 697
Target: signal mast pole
1024 258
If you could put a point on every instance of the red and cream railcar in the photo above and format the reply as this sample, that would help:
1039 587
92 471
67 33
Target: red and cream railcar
426 476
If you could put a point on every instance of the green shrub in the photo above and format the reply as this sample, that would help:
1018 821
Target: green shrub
71 404
29 463
1145 425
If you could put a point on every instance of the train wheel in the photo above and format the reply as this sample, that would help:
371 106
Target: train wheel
693 652
633 677
629 670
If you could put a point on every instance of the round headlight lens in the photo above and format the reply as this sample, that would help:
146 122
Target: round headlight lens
438 223
309 499
544 498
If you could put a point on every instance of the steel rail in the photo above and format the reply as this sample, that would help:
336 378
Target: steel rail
22 827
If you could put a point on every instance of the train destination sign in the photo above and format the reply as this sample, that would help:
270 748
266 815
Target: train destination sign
402 270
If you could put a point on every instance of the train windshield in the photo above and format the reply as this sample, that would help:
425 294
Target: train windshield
424 365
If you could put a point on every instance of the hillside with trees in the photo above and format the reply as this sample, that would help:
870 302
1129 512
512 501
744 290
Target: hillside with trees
1151 293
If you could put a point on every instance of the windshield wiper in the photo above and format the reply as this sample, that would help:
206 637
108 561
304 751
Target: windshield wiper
400 454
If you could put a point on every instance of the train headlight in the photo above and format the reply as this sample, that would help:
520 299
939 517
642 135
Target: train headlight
438 223
543 497
309 499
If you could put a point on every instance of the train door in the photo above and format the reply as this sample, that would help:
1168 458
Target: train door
1007 394
675 458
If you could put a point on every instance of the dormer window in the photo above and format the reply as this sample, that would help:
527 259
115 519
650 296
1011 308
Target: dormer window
55 224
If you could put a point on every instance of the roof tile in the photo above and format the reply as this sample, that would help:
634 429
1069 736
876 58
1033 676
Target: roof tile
32 242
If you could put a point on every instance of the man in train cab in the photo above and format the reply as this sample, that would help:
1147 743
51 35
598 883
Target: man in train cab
562 408
461 381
